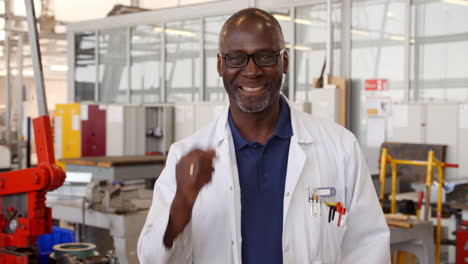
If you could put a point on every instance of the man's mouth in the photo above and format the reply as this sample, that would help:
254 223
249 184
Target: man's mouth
251 89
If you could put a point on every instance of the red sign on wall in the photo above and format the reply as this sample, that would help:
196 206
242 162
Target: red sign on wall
376 85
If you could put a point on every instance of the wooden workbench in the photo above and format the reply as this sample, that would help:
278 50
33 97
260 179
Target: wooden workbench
112 161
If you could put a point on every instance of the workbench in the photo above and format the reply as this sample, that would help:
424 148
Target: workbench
418 240
118 168
124 228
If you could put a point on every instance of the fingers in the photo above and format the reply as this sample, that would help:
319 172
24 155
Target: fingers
211 153
198 165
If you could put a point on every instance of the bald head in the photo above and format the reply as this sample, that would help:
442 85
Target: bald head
252 17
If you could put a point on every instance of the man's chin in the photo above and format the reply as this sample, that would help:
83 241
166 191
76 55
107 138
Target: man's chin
252 107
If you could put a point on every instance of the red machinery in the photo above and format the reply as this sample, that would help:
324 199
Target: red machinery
24 214
462 243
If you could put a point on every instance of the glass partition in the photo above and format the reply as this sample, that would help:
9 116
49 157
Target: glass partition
183 61
113 66
213 83
439 50
284 18
145 64
85 66
311 37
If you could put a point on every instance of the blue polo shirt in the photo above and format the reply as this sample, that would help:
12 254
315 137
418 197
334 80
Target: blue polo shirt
262 176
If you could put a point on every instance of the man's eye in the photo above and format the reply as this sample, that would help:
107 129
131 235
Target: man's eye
235 58
264 57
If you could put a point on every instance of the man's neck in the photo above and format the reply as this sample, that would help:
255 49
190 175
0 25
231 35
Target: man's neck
259 126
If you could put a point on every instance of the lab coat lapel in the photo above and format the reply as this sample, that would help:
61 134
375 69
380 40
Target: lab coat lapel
227 167
296 157
296 161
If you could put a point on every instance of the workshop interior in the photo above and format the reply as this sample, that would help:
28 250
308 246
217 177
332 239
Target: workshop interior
94 93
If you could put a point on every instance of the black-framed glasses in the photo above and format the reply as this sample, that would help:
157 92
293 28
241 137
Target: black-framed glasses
262 59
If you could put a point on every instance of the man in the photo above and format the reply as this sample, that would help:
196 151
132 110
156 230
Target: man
244 189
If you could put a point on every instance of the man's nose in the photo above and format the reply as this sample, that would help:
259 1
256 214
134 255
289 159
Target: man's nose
252 70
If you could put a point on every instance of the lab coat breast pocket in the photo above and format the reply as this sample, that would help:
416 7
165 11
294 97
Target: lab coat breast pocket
332 237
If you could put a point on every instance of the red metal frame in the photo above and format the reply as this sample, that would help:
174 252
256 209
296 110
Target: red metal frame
462 243
34 183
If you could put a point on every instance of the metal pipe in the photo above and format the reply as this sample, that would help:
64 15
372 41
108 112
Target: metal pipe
28 143
292 58
383 169
96 62
19 100
163 88
394 189
329 56
203 94
36 58
7 88
6 55
406 52
129 65
430 164
440 170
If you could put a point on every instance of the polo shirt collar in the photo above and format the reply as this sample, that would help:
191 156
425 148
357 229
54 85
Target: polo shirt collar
283 126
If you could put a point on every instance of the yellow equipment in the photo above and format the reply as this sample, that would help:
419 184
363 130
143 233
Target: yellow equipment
430 163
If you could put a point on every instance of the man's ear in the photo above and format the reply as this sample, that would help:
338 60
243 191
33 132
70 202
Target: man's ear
219 65
285 62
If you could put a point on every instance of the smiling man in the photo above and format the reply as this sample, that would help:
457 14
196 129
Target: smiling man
252 186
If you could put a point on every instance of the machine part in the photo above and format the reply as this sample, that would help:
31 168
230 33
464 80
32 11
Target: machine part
19 256
78 250
114 198
71 258
28 142
68 259
22 192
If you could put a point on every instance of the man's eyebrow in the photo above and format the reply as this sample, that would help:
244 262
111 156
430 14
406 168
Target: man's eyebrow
243 51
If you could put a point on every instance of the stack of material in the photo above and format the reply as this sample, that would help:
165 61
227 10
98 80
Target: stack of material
398 220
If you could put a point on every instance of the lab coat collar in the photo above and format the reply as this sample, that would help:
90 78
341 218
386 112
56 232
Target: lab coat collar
301 133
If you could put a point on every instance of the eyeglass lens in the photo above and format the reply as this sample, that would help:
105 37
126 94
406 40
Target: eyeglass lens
262 59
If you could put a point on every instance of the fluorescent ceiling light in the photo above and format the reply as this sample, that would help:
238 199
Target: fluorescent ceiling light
303 21
360 32
297 20
297 47
456 2
396 37
176 32
180 32
59 68
282 17
401 38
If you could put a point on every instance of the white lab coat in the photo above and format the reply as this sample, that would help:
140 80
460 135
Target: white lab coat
321 154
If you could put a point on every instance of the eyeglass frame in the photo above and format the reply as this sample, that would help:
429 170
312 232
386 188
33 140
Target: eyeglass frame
277 53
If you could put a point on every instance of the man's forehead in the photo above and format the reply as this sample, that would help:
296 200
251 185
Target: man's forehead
261 33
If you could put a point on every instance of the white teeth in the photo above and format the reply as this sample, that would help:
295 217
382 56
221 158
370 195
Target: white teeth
251 89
